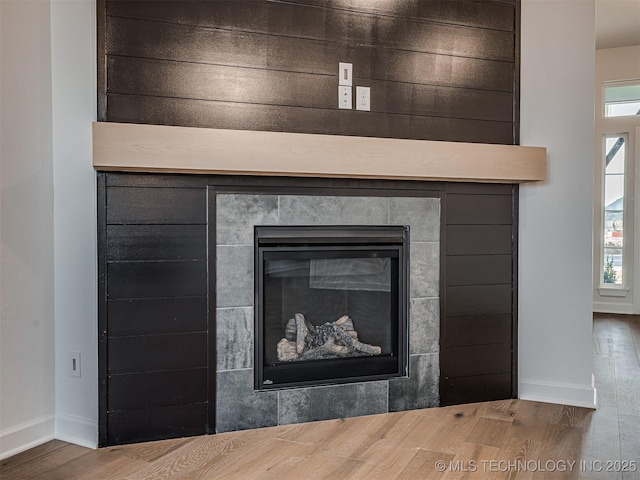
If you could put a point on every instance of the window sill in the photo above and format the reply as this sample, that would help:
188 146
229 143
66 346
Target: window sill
606 291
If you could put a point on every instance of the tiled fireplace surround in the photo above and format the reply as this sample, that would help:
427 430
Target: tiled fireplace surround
238 406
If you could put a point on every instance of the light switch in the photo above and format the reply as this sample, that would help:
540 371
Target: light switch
344 97
346 74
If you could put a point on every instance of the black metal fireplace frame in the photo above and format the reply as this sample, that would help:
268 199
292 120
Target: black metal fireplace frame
299 241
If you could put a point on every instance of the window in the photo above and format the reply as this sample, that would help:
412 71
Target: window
622 100
615 148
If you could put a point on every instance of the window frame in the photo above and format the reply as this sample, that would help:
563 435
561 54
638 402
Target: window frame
615 289
616 83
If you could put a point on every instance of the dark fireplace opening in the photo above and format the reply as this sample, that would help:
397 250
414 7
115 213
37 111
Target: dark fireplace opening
331 304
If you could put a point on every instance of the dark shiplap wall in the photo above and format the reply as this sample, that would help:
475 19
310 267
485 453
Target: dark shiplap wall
438 69
478 336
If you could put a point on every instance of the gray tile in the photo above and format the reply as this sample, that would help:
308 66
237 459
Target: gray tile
421 389
422 214
238 407
234 276
424 325
424 269
336 401
237 214
234 331
309 210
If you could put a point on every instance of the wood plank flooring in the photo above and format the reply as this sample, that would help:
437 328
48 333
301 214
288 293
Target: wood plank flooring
475 441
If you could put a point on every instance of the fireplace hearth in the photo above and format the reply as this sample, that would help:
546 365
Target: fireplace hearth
331 304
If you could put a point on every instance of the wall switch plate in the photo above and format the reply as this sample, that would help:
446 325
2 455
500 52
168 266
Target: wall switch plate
74 364
344 97
346 74
363 98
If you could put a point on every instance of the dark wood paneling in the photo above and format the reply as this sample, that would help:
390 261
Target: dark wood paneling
156 205
157 352
254 15
157 279
481 388
477 330
208 82
489 14
478 323
129 426
156 242
478 300
479 210
151 389
103 316
182 63
478 270
243 116
165 180
101 64
479 188
157 316
477 360
479 239
276 47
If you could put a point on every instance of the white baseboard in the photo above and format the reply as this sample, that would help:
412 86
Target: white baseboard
77 430
26 435
558 392
616 308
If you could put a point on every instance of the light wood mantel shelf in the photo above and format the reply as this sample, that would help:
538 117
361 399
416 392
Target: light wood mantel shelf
155 148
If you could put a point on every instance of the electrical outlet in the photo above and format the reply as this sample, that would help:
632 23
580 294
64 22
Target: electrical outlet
363 98
344 97
75 364
345 74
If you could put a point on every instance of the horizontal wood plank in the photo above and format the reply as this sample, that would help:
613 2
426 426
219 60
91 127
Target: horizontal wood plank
476 360
475 389
478 269
152 353
156 242
161 148
157 279
156 206
478 210
156 316
479 189
478 300
479 239
477 330
157 389
143 425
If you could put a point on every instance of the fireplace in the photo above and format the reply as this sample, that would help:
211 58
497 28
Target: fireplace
331 304
373 224
177 270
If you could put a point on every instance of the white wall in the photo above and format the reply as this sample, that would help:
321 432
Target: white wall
26 227
555 264
617 64
73 50
48 223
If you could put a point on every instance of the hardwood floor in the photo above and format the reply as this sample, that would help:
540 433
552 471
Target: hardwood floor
476 441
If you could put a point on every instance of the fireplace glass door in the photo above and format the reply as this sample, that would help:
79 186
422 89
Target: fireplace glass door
331 304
